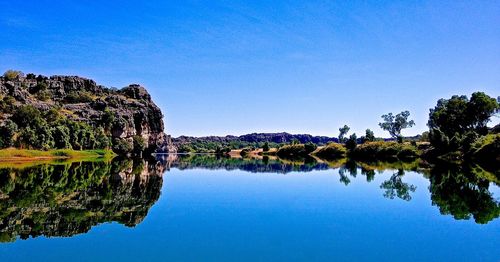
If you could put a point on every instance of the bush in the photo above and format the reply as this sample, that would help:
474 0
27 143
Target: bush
122 146
7 132
12 74
296 150
351 143
331 151
486 149
384 150
78 97
265 148
310 147
139 144
245 151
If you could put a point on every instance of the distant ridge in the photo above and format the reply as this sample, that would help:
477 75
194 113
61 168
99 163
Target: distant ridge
281 137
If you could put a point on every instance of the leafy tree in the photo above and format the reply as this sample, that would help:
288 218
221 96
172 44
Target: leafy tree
351 143
139 144
26 116
7 132
265 148
61 137
343 131
107 119
456 122
122 146
459 114
395 123
369 136
27 138
310 147
102 140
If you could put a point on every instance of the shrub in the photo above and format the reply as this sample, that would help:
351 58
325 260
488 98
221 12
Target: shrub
122 146
384 150
265 148
331 151
78 97
351 143
12 74
7 132
139 144
296 150
310 147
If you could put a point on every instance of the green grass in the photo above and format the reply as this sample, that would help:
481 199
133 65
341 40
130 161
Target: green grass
10 153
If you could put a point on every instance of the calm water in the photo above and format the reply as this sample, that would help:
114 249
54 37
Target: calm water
206 209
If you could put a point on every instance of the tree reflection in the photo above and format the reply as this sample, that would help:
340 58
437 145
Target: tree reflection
463 192
69 198
395 187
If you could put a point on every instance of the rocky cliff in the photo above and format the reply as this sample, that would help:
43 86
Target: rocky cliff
131 108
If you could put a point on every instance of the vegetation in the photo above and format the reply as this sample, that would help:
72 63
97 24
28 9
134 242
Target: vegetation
68 198
331 151
342 132
69 112
394 124
385 150
296 150
456 123
12 153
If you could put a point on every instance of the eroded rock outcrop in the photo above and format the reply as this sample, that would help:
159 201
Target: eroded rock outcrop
132 110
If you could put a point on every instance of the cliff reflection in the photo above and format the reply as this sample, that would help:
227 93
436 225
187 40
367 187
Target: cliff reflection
65 199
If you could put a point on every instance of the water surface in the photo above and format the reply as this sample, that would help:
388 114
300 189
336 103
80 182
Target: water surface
218 209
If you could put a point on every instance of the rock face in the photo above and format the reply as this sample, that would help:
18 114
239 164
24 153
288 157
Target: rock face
81 99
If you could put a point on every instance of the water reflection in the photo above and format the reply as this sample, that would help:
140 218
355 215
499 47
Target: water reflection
458 190
64 199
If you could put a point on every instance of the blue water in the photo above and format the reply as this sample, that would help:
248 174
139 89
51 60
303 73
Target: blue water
220 215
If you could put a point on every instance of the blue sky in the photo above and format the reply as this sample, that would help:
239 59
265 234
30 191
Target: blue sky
235 67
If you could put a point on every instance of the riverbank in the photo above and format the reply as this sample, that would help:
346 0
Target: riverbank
15 154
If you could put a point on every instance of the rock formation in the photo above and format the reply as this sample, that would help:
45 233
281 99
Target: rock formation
81 99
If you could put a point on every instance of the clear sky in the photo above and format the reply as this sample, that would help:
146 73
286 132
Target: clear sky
234 67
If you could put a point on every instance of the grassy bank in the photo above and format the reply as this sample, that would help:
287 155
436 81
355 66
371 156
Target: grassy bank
10 154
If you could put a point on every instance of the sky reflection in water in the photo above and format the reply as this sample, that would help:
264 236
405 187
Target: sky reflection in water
233 209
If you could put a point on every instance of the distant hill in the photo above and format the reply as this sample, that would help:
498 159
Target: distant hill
253 138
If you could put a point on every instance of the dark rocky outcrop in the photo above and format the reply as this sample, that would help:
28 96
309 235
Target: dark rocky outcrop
82 99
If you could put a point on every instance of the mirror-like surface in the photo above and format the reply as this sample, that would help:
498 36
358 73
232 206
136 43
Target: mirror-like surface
201 207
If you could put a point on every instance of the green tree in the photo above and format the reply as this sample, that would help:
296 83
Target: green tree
7 132
453 121
122 146
351 143
369 136
102 140
310 147
395 123
61 136
26 116
265 147
343 131
139 144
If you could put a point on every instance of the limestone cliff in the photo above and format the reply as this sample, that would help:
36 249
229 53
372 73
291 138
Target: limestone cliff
133 111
